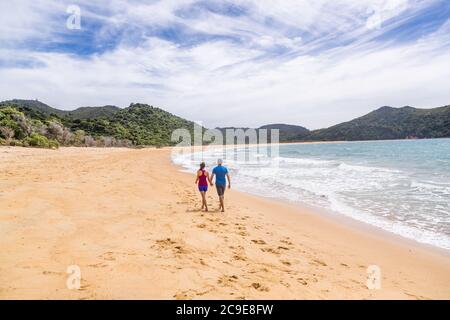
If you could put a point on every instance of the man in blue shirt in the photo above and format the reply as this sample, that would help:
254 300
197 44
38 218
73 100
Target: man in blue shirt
220 172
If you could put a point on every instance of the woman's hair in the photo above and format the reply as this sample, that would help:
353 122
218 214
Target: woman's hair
202 166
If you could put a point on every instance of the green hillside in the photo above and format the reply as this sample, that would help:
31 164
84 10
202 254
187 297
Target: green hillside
140 123
288 133
92 112
137 125
390 123
33 123
33 108
37 109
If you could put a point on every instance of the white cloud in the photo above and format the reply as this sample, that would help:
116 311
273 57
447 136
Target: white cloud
245 81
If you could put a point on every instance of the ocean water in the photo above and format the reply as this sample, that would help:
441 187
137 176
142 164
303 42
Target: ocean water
400 186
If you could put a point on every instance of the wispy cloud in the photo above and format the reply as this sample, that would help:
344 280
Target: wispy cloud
236 62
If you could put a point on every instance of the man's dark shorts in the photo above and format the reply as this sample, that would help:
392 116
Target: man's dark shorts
220 189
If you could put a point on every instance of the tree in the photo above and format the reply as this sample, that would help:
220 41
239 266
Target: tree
23 123
89 141
7 133
55 130
78 138
66 137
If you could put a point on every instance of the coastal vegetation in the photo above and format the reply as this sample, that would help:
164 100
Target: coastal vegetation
382 124
32 123
390 123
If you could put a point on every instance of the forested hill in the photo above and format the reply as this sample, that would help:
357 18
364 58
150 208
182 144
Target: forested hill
389 123
287 132
381 124
137 125
33 123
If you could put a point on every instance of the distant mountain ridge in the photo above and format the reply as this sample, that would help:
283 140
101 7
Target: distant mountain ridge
92 112
143 124
389 123
34 106
78 113
382 124
287 132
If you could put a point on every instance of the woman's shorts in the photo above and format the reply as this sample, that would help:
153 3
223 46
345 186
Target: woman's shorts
202 188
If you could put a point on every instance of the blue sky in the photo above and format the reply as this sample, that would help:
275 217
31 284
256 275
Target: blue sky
242 62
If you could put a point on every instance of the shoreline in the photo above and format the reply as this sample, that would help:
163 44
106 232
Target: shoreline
328 213
207 146
131 221
365 227
344 220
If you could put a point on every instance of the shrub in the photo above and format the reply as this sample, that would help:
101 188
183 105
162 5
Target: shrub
78 138
7 133
55 130
53 144
10 117
15 143
40 141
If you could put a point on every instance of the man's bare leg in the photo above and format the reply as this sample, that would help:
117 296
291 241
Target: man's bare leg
221 203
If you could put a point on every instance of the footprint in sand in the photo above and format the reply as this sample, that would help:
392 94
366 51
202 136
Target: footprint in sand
227 281
259 241
84 285
239 257
166 241
260 287
205 226
170 244
46 272
318 263
189 294
98 265
286 240
285 262
181 296
108 256
417 297
270 250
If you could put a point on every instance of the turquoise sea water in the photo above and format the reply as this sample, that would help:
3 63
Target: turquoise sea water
399 186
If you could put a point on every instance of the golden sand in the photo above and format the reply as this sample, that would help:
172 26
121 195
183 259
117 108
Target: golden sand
131 222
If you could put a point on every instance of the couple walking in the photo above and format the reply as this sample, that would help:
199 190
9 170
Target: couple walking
203 177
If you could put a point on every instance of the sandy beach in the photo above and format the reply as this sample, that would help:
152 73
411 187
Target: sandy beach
132 223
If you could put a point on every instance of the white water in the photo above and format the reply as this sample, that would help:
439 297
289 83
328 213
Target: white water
399 186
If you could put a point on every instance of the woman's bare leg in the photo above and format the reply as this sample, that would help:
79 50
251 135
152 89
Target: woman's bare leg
203 202
204 205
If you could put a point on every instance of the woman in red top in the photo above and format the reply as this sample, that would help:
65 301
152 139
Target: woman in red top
202 180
